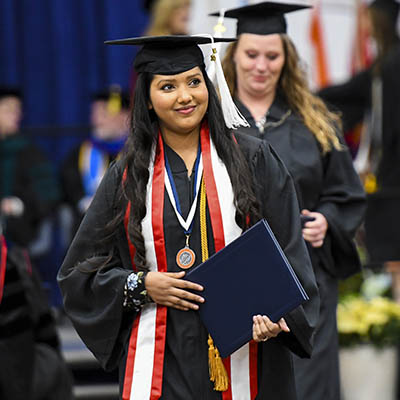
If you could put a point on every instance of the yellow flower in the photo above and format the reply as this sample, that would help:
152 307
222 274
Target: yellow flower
376 320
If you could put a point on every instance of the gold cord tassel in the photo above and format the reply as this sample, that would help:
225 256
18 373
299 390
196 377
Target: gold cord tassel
216 368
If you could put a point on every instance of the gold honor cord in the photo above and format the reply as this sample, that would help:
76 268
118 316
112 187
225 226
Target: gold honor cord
216 367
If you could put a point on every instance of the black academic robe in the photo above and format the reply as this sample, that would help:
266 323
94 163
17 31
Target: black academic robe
94 300
329 185
31 365
25 173
382 221
353 100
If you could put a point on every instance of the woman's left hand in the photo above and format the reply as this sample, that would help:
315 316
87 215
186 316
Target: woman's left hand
264 328
315 231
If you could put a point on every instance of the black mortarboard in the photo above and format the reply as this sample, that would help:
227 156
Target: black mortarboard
8 91
168 55
390 7
263 18
174 54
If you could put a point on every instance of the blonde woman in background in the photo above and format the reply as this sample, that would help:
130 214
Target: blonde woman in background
269 88
169 17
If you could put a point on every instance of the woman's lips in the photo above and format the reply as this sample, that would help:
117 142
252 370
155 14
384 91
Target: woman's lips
186 110
260 78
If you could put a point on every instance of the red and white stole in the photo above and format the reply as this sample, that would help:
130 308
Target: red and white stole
3 262
145 360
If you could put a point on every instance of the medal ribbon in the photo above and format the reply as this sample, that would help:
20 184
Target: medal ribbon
3 259
173 194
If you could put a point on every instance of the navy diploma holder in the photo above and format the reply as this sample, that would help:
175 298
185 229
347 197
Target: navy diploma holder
249 276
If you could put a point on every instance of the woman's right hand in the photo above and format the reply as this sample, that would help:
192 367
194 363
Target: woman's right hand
169 289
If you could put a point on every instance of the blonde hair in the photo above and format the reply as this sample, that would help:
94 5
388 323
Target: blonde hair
161 16
312 110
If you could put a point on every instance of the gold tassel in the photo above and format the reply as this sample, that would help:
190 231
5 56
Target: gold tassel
216 368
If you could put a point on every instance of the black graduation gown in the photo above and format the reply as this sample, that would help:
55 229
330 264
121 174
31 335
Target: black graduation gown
26 174
31 365
351 98
382 221
94 300
329 185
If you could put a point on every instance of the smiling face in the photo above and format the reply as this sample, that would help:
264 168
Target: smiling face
259 61
180 101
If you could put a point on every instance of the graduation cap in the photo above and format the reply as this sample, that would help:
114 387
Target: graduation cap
263 18
390 7
10 91
115 98
174 54
168 55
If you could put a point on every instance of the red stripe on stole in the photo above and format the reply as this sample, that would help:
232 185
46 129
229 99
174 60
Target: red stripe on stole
253 350
130 361
159 244
211 189
216 217
130 244
227 395
3 262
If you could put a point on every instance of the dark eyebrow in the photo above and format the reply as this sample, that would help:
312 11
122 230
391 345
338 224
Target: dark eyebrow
166 81
197 74
173 80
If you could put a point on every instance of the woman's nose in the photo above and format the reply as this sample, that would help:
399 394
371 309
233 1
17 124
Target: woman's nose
262 64
184 95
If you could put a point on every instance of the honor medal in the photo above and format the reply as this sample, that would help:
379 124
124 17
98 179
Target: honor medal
185 258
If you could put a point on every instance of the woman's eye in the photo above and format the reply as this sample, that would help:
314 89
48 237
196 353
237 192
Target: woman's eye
272 57
251 55
195 82
167 87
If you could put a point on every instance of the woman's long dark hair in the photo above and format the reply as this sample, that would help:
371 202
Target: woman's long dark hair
137 154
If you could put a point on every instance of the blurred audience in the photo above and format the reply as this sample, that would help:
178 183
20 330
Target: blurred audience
169 17
28 187
85 166
29 345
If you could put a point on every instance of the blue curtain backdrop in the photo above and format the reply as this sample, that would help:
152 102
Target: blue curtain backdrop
53 50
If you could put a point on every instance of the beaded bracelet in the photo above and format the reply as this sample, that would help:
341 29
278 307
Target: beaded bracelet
135 293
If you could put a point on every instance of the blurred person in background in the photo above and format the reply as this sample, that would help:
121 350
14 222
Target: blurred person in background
32 366
85 166
371 96
29 190
169 17
270 89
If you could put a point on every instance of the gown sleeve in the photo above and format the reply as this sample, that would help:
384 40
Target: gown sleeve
351 98
343 203
276 193
93 275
